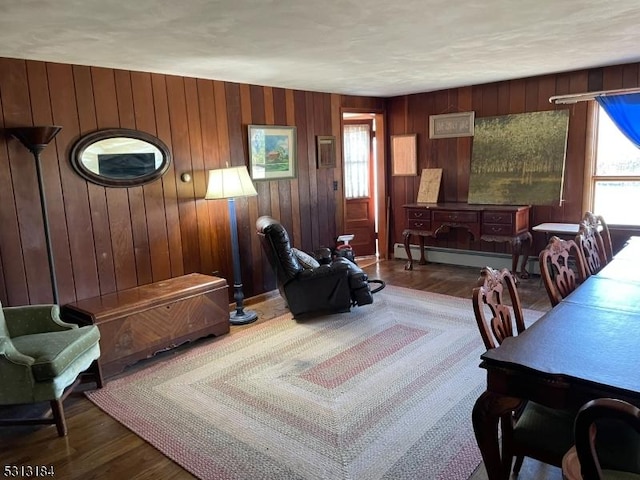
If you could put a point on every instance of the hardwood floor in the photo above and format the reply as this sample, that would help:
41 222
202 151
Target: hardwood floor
98 447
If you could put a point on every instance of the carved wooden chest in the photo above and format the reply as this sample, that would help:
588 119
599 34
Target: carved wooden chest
138 322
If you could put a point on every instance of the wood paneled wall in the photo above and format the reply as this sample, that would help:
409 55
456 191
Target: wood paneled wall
410 114
109 239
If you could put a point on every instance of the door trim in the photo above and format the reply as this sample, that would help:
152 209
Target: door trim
381 176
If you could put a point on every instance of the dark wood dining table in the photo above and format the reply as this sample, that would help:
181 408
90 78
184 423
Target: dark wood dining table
586 347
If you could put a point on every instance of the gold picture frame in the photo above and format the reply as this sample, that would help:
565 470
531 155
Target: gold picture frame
326 151
452 125
404 158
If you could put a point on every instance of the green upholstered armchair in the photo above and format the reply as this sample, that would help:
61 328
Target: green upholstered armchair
41 359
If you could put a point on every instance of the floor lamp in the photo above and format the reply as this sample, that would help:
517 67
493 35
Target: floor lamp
231 183
35 139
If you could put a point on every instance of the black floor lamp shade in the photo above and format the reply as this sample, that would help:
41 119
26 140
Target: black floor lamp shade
35 139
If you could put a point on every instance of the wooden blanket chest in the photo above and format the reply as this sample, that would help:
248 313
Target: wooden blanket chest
138 322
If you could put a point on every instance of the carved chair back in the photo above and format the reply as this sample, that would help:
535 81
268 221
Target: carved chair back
602 230
592 246
591 243
606 237
562 268
492 287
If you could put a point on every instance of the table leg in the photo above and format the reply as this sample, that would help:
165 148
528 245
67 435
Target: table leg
423 260
519 251
407 248
526 251
487 411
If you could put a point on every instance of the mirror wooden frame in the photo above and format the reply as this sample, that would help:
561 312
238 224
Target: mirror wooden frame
88 140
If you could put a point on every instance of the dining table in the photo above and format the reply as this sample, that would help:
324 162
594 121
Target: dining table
586 347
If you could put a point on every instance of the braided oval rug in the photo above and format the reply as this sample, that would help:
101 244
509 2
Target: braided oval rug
382 392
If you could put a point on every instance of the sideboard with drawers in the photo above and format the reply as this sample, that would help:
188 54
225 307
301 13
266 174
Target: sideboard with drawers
490 223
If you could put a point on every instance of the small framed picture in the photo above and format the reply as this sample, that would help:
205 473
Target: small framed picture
326 151
272 152
451 125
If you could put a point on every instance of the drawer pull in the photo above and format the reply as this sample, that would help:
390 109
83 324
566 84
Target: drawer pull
418 224
453 217
496 229
497 218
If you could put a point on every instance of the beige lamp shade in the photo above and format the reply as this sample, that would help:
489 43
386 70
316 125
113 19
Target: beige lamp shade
229 182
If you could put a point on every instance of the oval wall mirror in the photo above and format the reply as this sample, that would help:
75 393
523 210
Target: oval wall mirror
119 157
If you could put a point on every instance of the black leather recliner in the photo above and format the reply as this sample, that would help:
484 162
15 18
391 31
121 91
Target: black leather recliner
307 286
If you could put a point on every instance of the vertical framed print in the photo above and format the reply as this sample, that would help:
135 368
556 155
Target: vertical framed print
326 151
404 159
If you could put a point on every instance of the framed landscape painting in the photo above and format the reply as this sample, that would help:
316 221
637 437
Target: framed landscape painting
272 152
519 159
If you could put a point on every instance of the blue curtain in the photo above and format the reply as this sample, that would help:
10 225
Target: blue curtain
624 110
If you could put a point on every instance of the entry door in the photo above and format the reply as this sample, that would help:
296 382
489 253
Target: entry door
359 184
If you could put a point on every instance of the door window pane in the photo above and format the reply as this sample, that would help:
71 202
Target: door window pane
356 160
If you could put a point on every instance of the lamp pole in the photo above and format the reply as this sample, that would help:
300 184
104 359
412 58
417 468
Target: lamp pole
47 231
35 139
240 316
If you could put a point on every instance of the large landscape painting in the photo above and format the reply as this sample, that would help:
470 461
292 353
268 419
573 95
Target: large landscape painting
519 159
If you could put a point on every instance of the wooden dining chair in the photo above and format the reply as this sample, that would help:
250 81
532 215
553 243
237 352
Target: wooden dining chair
562 268
496 323
603 228
607 436
591 242
532 430
602 231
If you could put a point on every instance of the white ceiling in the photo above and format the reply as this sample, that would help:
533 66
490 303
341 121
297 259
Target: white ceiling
366 47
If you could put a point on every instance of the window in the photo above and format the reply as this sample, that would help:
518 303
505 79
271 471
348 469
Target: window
615 177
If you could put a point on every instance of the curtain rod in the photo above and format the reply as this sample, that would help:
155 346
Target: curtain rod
582 97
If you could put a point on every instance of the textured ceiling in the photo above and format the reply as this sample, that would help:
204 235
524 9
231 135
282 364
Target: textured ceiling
365 47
